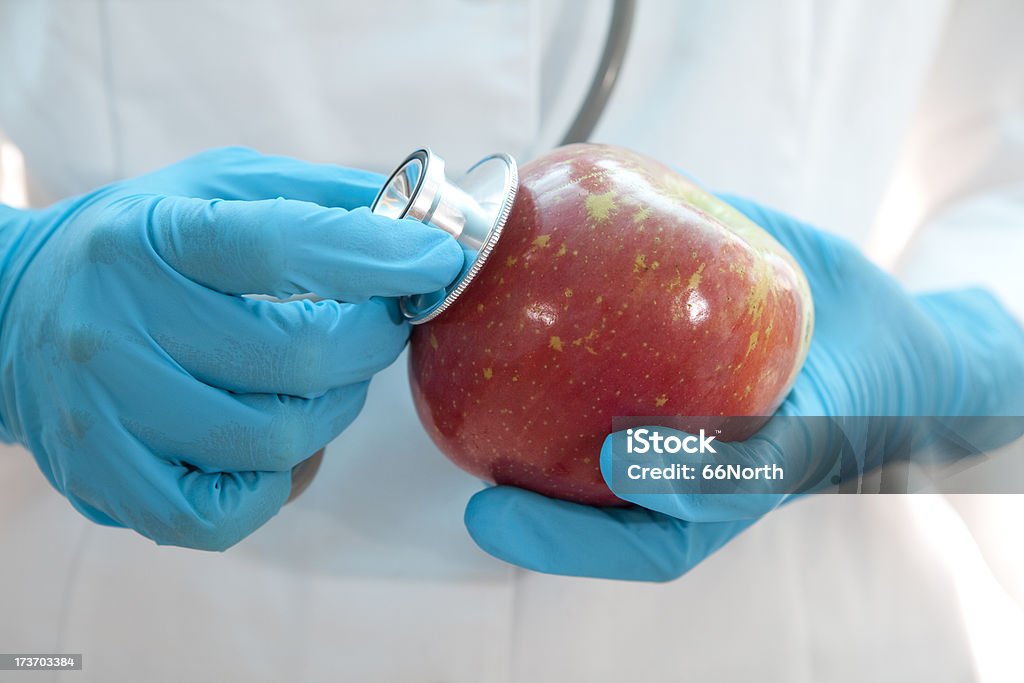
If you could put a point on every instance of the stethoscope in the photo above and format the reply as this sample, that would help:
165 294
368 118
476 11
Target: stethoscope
474 208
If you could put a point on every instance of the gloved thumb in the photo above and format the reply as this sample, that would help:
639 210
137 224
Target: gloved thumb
697 478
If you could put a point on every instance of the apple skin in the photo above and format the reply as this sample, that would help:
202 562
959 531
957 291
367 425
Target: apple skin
618 288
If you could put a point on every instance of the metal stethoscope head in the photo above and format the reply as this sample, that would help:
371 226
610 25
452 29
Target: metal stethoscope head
473 210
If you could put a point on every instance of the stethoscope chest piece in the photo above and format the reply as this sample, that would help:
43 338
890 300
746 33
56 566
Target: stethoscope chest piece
473 210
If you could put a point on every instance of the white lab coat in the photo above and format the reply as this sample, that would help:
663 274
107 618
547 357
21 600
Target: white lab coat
818 108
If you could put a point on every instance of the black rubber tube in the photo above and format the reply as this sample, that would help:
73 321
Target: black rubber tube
620 28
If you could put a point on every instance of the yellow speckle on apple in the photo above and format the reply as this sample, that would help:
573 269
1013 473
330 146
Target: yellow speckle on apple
695 279
599 206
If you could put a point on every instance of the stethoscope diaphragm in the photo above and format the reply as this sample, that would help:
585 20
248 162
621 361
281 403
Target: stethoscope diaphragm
473 211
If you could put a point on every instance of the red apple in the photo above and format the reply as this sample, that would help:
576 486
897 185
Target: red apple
618 288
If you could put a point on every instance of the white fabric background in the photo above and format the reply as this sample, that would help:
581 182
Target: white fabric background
820 108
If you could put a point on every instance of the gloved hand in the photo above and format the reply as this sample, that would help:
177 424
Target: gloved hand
876 351
151 393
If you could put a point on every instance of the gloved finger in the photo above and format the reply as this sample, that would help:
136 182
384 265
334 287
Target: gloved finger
192 424
243 173
91 513
739 480
300 348
558 537
170 503
686 499
284 247
255 431
978 329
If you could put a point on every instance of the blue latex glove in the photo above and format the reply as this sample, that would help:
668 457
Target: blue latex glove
151 393
876 351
